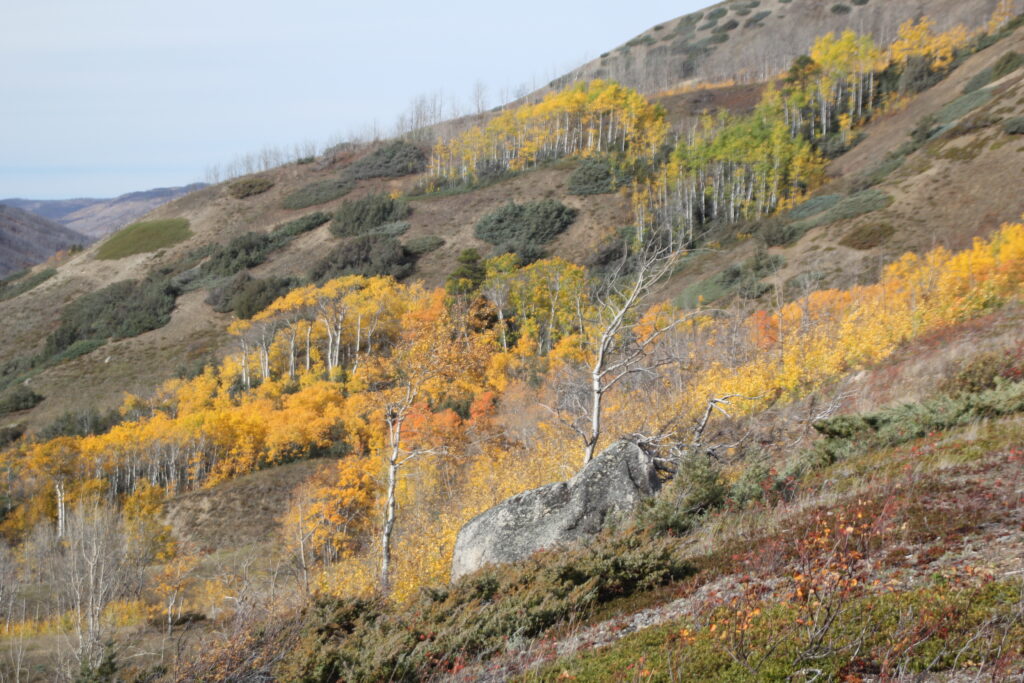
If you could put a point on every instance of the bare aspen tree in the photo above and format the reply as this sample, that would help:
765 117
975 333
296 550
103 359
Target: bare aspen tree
615 351
479 97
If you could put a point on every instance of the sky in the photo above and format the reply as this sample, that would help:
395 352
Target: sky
103 97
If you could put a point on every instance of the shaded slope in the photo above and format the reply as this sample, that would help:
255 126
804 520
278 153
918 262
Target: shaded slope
27 239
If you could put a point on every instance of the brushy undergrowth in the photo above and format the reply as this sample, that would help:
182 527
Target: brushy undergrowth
145 236
943 627
364 215
316 193
849 435
391 160
479 615
366 255
514 227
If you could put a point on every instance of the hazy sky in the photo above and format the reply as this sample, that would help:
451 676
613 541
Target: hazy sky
102 97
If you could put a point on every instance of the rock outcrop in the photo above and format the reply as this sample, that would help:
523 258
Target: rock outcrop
556 514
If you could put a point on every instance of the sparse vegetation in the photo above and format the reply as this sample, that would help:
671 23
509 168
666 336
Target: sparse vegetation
249 186
418 246
13 287
1007 64
143 237
868 236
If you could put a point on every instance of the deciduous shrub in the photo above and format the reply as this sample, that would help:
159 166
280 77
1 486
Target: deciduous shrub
361 216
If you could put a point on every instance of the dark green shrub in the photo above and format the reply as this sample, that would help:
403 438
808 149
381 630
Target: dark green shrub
391 160
298 226
418 246
319 192
123 309
917 76
533 223
220 297
247 187
82 423
726 27
716 14
19 398
245 251
13 287
697 488
10 434
1014 126
361 216
860 3
849 435
468 275
255 295
592 176
840 8
367 255
359 640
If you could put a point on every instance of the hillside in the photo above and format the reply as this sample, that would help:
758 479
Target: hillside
100 217
783 315
27 239
753 40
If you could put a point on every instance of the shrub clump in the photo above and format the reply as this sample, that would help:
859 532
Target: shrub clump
248 187
144 236
1007 64
1013 126
319 192
298 226
123 309
394 159
245 251
365 215
985 371
19 398
515 226
361 640
418 246
592 176
245 296
367 255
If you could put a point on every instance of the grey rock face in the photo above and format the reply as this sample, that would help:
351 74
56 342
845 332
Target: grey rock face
614 481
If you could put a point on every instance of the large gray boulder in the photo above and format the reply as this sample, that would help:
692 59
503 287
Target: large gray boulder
556 514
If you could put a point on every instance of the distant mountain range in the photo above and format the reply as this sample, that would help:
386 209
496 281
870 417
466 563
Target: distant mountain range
27 239
97 218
